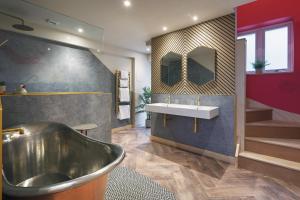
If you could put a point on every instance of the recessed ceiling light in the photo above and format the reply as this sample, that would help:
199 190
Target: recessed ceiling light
49 49
148 49
165 28
127 3
195 17
98 50
80 30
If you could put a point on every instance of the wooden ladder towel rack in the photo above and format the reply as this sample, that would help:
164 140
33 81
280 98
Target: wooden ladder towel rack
117 98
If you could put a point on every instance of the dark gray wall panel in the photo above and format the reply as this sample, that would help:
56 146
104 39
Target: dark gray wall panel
48 66
215 135
68 109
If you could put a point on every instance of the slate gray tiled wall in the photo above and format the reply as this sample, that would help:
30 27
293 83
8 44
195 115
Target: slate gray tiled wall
215 135
48 66
67 109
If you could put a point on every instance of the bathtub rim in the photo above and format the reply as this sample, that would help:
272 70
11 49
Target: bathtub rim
17 191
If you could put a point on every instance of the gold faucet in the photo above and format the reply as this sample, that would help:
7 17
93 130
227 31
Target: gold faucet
198 100
169 99
12 130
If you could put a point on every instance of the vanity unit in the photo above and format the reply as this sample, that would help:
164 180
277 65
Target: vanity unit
201 112
197 112
182 120
200 70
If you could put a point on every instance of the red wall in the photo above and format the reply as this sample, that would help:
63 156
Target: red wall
281 91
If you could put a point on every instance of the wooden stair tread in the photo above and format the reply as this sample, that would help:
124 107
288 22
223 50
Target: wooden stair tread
274 123
291 143
257 109
271 160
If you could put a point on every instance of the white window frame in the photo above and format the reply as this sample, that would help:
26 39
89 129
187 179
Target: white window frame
260 45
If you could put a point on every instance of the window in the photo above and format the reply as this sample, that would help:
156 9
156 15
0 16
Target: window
250 49
273 44
276 48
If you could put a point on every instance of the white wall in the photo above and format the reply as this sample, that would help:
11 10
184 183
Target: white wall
141 62
114 63
118 58
143 74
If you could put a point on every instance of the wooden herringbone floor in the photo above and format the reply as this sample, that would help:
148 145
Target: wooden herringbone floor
194 177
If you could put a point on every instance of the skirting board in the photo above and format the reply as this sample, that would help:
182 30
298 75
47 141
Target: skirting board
192 149
115 130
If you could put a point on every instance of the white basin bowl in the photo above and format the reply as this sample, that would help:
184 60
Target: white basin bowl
203 112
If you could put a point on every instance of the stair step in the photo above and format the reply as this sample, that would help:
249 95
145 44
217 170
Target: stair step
276 123
273 129
271 166
258 114
291 143
288 149
271 160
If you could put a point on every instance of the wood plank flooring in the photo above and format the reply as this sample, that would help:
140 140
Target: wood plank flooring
193 177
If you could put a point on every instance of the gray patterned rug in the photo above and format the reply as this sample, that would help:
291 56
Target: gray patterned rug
126 184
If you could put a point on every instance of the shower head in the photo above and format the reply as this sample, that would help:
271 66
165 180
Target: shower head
20 26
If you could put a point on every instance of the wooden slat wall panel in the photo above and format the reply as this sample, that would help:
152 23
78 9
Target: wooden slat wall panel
218 34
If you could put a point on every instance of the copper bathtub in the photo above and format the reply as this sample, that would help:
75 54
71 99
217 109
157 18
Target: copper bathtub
52 161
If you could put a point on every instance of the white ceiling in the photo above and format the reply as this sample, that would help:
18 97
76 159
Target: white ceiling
131 27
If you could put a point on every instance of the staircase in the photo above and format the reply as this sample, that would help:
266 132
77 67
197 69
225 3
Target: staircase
271 147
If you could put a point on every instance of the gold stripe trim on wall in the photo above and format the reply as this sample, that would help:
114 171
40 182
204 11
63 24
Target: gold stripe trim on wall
218 34
1 141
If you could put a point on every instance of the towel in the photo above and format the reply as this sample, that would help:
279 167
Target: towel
124 74
124 112
124 83
124 95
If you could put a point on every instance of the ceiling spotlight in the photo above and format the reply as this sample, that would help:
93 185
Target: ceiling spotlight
80 30
49 49
148 49
165 28
195 17
127 3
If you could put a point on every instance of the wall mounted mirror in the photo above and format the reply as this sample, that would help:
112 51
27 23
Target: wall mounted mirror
170 66
201 63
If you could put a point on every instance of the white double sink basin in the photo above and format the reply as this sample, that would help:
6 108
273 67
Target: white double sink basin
202 112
